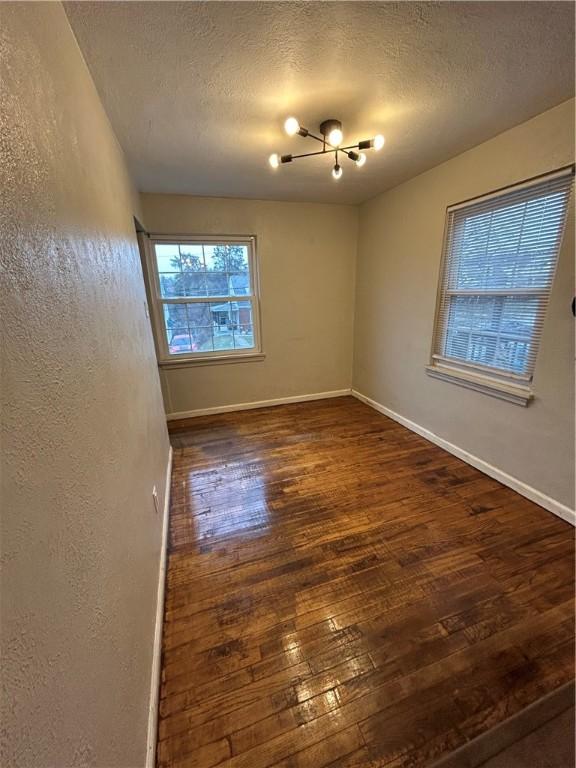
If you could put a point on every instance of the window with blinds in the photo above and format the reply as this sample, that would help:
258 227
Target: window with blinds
499 259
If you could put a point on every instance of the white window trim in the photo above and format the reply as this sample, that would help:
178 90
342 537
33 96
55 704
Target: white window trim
504 385
165 359
520 394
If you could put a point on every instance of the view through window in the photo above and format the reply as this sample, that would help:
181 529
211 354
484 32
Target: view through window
206 298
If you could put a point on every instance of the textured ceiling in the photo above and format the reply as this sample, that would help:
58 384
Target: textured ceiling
197 92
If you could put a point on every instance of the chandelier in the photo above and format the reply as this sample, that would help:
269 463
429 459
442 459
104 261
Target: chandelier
331 139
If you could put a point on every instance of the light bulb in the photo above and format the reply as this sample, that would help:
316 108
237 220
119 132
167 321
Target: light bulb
336 171
378 142
274 160
361 160
291 126
335 137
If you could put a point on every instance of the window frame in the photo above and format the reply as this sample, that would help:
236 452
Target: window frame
157 301
498 382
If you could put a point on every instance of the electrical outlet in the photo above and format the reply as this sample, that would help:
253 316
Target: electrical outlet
155 497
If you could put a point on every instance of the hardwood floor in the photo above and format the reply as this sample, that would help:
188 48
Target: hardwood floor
341 592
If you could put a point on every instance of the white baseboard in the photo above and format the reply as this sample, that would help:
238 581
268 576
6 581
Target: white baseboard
157 651
561 510
257 404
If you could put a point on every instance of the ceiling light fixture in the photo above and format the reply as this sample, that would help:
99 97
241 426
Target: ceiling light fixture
331 138
335 137
291 126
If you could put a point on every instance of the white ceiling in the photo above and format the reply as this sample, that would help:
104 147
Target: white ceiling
197 92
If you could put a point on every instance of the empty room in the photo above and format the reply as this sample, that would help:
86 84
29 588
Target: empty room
287 384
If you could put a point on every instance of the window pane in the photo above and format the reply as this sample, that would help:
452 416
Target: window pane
182 284
199 315
244 335
495 331
179 341
512 246
202 338
191 284
191 257
232 322
225 321
198 270
239 284
226 258
169 284
204 327
175 316
216 284
167 258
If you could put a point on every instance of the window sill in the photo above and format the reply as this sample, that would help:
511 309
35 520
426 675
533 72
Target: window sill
187 362
520 394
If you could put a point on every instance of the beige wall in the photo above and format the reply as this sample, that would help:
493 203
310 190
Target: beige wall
306 253
83 436
398 263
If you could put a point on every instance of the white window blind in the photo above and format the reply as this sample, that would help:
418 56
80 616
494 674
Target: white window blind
499 259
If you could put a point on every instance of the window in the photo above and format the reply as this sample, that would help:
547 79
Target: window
499 258
205 299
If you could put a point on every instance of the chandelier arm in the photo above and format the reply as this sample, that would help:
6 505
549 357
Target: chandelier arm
322 141
311 154
327 144
345 151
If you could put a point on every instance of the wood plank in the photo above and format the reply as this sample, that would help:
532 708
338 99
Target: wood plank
340 592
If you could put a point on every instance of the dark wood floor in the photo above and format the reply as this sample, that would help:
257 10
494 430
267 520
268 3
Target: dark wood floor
342 593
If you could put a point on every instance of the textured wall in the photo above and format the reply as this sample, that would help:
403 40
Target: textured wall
83 434
307 259
399 251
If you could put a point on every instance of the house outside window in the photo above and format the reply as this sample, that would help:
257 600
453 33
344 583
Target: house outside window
499 257
204 294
